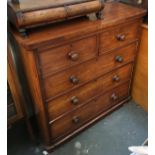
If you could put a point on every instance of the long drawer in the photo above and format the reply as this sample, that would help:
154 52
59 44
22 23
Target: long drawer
118 36
59 58
76 76
82 95
84 114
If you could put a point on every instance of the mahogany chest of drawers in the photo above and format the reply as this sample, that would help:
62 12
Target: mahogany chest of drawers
79 71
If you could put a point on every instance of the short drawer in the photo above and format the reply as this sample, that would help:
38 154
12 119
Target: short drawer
59 58
84 94
118 36
80 116
76 76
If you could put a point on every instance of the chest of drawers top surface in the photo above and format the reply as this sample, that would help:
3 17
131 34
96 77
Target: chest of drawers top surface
114 14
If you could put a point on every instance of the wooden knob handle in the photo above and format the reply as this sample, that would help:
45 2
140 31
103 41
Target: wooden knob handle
120 37
73 56
114 97
116 78
74 80
119 58
74 100
76 119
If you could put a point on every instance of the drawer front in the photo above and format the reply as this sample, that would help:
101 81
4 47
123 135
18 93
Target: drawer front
56 59
119 36
78 97
80 116
76 76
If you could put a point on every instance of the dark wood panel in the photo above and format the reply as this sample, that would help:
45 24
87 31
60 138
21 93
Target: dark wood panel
82 95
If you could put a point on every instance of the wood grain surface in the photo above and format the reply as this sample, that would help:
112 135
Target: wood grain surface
79 71
140 84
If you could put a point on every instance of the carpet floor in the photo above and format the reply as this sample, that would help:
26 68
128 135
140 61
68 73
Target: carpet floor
112 135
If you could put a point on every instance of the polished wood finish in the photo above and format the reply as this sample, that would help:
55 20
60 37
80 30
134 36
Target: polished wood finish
140 83
80 96
67 55
26 13
75 76
119 36
85 72
83 114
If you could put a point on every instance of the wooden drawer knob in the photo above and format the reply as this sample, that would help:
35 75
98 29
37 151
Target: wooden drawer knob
114 97
74 79
119 58
116 78
121 37
76 119
74 100
73 56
